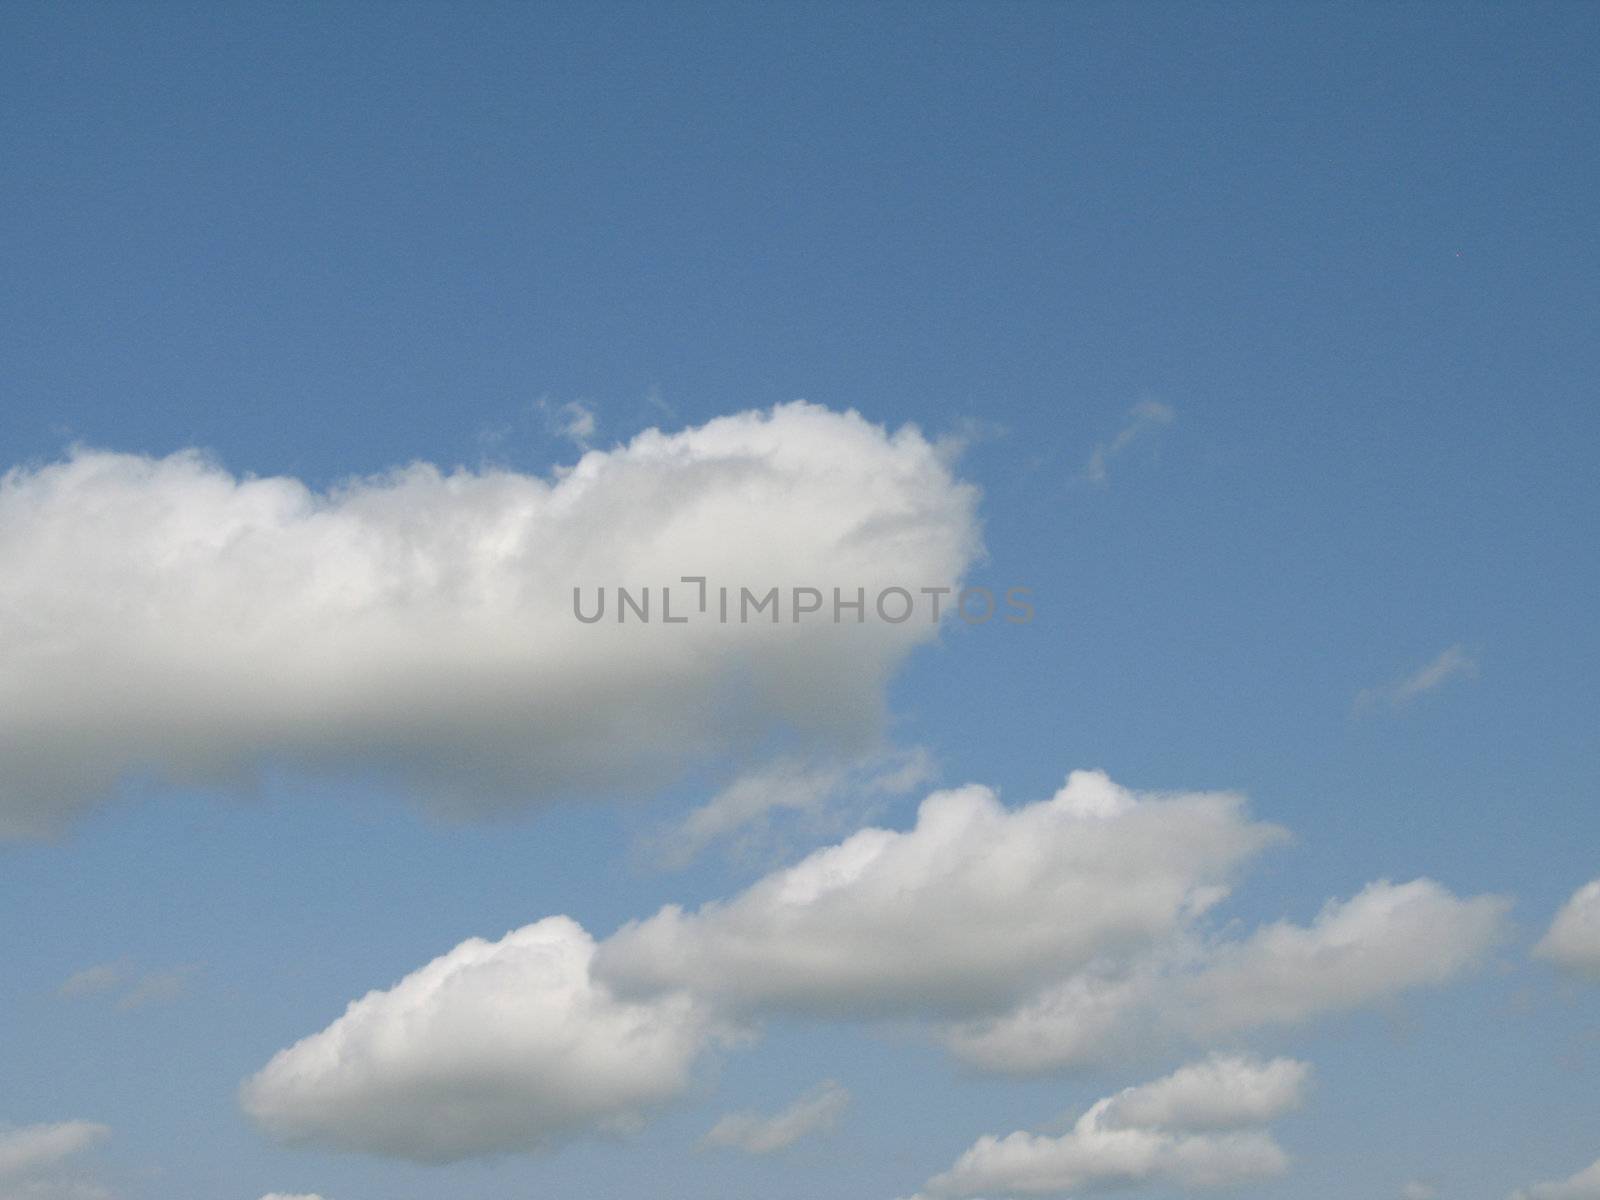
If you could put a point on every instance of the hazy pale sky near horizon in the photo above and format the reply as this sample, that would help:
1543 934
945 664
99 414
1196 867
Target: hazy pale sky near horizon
339 342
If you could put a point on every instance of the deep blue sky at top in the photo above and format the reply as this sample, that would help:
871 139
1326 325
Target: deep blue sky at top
1355 248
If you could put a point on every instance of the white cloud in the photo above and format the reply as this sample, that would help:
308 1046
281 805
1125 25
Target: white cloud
975 907
1419 1189
495 1046
1191 1129
1221 1092
573 420
754 1133
791 785
1451 663
1051 936
35 1161
1585 1185
1573 939
1143 418
162 617
1386 940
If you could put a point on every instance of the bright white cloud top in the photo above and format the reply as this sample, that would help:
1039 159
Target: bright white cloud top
1041 937
1573 940
162 617
1196 1128
972 908
495 1046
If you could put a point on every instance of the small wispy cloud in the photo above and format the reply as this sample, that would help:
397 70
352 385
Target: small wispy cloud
1419 1189
1450 664
137 989
93 981
754 1133
573 420
156 987
1143 418
791 785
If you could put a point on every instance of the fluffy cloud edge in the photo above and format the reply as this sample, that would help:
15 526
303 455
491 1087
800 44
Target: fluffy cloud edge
165 618
1572 943
1197 1127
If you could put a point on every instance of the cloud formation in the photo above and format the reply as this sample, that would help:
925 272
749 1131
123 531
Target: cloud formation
1452 663
1387 939
755 1133
1585 1185
493 1047
34 1160
164 618
1573 940
973 907
1196 1128
1143 418
1045 937
791 785
138 988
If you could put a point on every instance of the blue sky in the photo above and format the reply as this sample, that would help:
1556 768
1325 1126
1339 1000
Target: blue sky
1264 333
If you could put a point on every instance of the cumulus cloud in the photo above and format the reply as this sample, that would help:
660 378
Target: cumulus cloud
161 617
972 908
1192 1129
1585 1185
1050 936
1573 939
1143 418
755 1133
1387 939
1451 663
1222 1092
495 1046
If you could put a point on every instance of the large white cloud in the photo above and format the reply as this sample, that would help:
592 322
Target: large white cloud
1585 1185
495 1046
973 908
1387 939
1070 931
163 616
1193 1129
1573 939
